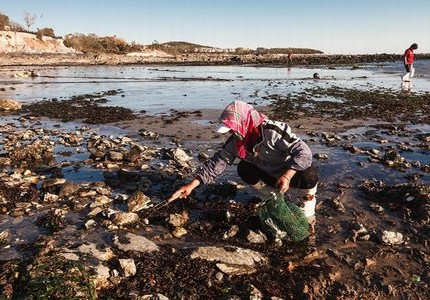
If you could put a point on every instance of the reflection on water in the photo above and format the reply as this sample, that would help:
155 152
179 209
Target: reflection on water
406 88
157 90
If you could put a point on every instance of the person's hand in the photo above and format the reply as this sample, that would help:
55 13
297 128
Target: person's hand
184 191
283 183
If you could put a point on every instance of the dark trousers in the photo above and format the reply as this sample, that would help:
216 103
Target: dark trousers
408 68
249 173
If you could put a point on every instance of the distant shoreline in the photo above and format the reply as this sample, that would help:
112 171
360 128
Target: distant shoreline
49 59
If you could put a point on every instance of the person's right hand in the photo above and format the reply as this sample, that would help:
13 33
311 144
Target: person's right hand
184 191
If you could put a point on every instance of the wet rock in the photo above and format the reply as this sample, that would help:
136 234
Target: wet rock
128 266
5 161
68 189
133 154
148 134
8 104
255 294
336 202
123 218
179 232
231 260
115 155
256 237
36 152
331 139
154 297
321 156
49 183
138 201
359 232
92 249
101 201
5 236
90 224
353 149
52 220
87 194
231 232
50 198
127 175
93 213
102 276
179 156
178 220
133 242
391 238
376 208
71 139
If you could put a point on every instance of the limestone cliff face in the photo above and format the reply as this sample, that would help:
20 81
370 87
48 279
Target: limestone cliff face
22 42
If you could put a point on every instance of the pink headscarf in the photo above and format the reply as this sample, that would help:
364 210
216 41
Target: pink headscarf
243 120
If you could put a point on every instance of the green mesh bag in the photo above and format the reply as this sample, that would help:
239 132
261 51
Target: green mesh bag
282 219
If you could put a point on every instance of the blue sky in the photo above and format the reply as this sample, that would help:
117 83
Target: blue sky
333 26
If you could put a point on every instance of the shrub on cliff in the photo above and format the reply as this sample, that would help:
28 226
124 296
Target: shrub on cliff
45 32
83 43
4 21
94 44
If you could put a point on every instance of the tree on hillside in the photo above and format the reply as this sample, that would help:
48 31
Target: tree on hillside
29 19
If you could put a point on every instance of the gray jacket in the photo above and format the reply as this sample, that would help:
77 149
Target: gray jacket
279 150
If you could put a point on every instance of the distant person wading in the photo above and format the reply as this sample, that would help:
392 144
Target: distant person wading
408 60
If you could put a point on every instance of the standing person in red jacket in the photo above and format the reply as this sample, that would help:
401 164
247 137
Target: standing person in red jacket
408 60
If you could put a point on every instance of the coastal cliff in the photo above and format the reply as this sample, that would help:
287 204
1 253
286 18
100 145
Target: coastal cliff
26 49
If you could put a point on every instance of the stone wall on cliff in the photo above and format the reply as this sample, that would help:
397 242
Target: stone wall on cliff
23 42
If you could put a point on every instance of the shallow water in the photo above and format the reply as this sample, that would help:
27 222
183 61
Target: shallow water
158 89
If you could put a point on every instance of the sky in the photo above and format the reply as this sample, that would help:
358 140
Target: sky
332 26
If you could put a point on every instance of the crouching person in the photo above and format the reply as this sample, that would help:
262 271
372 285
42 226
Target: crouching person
272 157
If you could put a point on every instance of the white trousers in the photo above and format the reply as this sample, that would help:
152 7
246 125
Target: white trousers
409 75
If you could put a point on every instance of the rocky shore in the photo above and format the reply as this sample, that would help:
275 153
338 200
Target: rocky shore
78 217
21 59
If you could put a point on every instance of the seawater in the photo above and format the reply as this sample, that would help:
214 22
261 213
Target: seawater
157 89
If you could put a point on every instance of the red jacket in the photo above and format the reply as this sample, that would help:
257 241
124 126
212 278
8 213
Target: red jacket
409 56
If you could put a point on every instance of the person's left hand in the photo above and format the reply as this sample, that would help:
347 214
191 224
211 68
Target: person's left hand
283 183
